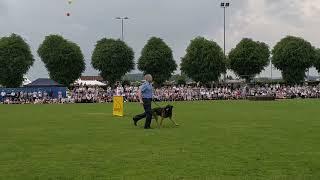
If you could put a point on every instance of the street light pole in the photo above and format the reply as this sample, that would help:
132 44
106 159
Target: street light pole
224 5
122 25
224 31
122 37
271 69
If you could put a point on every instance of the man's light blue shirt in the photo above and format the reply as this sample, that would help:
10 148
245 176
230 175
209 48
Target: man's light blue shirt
146 90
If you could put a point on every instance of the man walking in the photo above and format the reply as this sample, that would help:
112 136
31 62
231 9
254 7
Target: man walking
145 97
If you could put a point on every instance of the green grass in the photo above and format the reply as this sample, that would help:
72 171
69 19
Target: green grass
216 140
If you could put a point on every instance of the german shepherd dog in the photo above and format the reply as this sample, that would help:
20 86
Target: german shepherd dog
163 112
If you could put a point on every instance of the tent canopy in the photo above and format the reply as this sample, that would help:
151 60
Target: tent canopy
44 82
90 82
26 81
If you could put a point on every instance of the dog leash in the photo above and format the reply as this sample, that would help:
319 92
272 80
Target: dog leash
156 103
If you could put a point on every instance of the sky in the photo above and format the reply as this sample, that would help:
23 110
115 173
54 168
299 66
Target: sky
175 21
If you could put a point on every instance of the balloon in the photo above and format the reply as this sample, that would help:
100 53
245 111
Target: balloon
70 2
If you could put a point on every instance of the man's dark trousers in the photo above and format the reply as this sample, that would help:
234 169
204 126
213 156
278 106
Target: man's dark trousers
147 113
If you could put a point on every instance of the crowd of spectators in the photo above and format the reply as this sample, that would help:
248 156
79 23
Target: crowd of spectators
187 93
36 97
85 94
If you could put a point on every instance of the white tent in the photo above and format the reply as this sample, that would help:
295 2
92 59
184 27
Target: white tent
89 82
26 81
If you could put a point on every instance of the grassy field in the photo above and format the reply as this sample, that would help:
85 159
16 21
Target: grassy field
216 140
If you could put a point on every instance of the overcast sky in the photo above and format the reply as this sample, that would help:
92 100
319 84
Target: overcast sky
176 21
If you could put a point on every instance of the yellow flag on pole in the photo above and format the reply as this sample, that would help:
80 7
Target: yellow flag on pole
118 106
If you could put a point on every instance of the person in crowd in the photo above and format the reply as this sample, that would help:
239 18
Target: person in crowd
3 96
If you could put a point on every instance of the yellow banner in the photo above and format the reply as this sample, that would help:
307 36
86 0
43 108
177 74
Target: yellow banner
118 106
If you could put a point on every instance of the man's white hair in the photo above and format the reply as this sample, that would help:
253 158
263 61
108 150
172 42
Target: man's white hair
148 77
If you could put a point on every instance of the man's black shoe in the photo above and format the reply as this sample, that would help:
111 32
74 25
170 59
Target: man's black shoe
134 121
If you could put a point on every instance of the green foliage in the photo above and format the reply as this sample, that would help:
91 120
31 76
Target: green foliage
204 61
62 58
180 79
316 62
293 56
249 58
157 59
15 60
113 58
126 82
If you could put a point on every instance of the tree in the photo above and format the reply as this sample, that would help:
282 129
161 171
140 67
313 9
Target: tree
180 79
126 82
15 60
317 60
204 61
293 56
113 58
62 58
157 59
249 58
229 77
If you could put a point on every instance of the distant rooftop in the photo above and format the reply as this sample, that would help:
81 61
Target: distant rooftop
91 78
43 82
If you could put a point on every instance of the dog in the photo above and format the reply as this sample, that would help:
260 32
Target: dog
163 113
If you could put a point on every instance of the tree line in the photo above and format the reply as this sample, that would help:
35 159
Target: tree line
203 62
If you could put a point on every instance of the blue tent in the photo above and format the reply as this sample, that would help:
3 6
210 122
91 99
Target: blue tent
42 84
